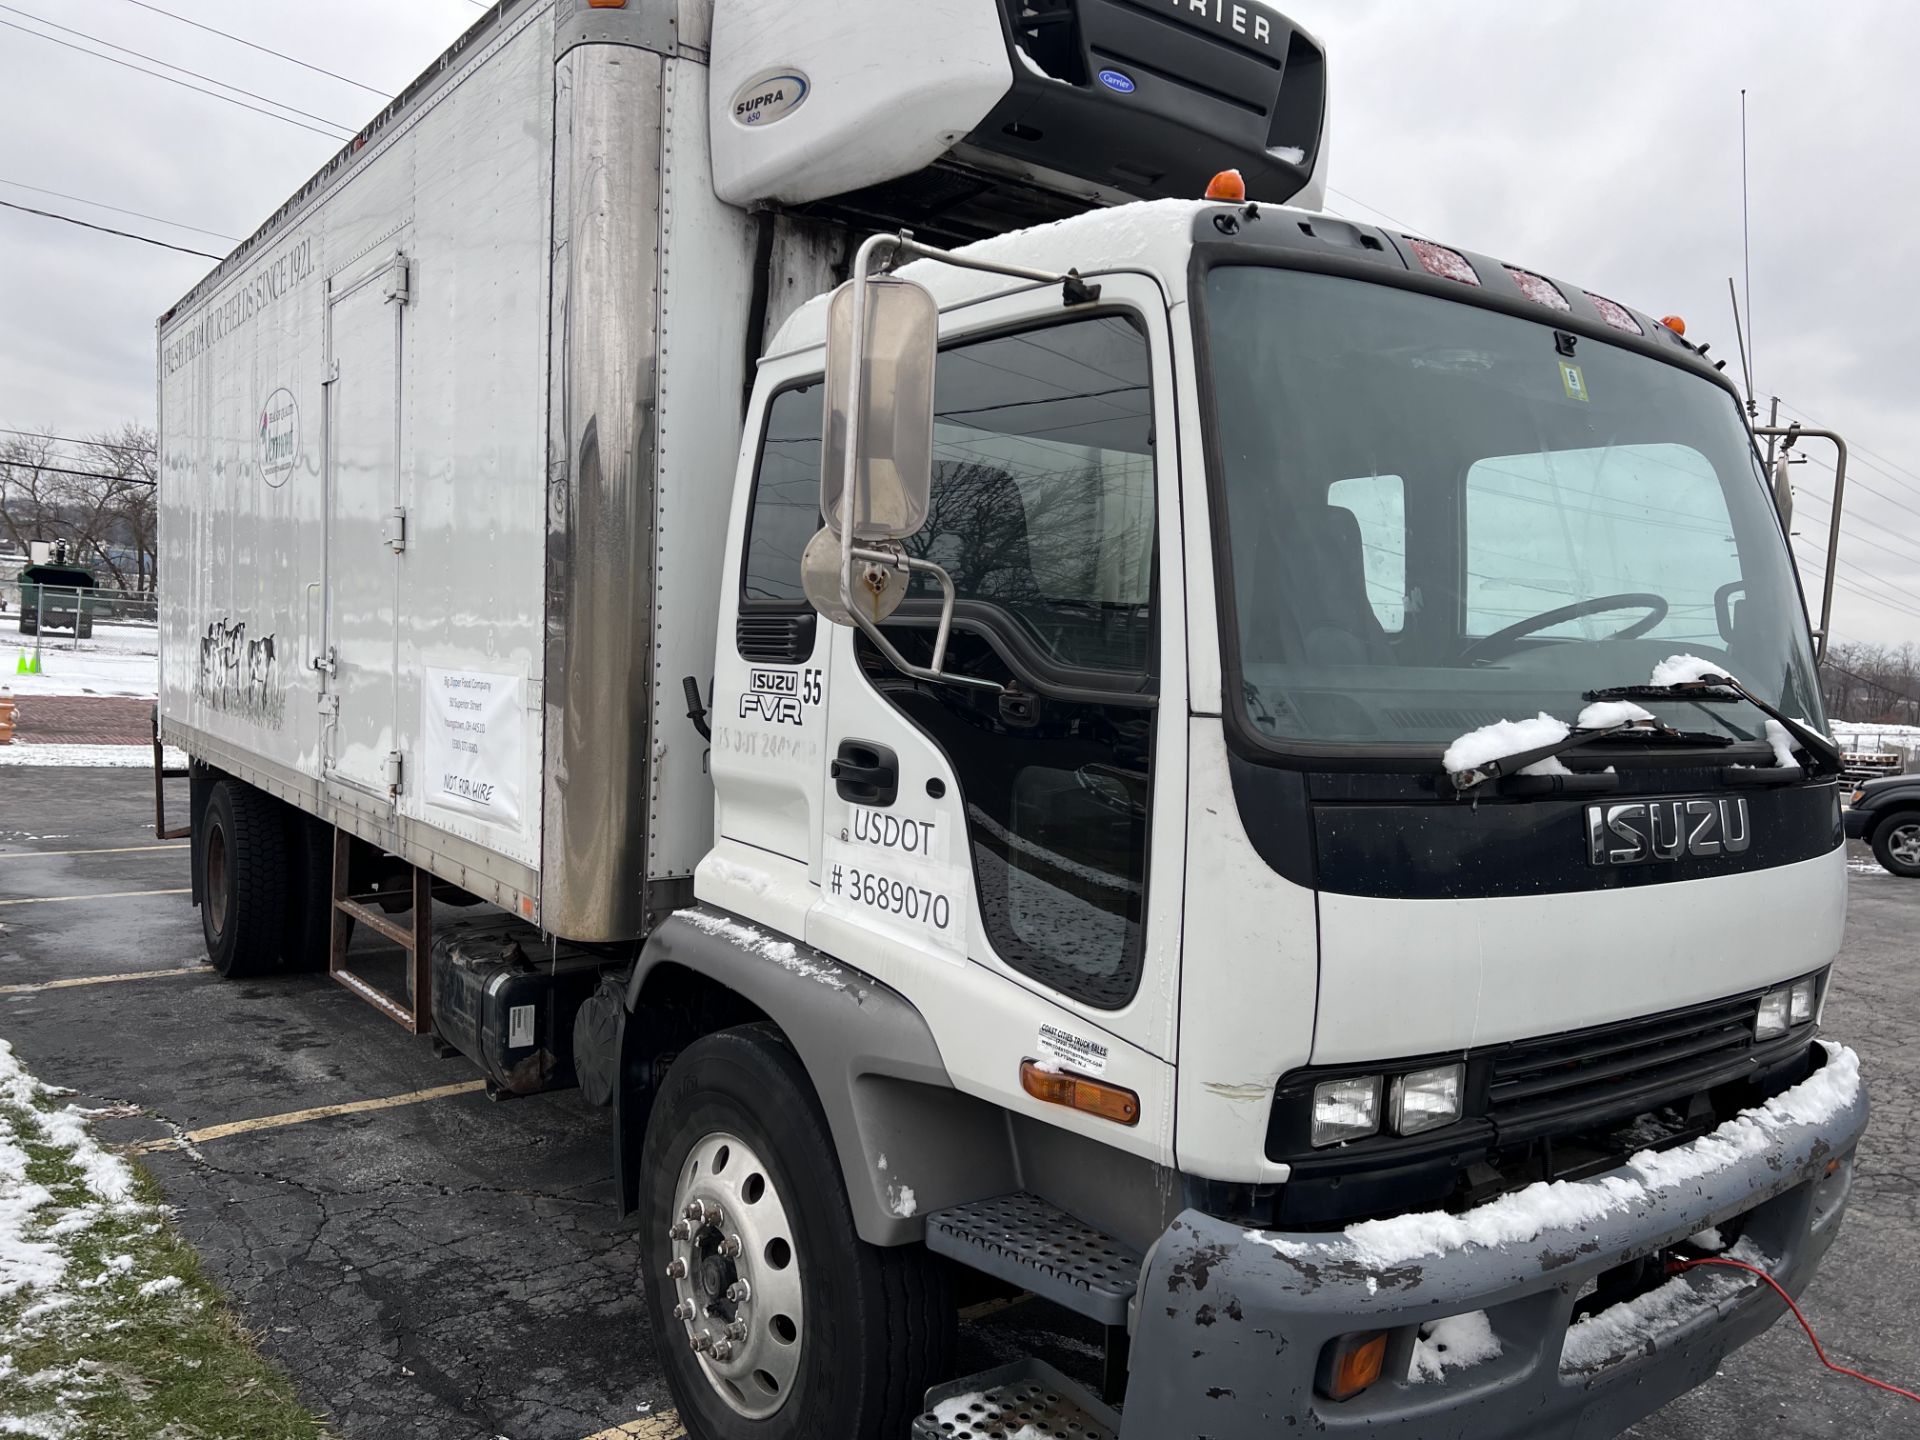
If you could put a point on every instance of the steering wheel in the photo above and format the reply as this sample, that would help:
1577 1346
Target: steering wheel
1501 642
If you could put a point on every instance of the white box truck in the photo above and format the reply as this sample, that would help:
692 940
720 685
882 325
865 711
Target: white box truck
1274 813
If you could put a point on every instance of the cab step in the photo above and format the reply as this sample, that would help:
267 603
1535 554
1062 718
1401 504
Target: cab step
1028 1397
1040 1247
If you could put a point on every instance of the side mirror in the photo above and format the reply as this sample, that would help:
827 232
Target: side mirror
879 400
1783 490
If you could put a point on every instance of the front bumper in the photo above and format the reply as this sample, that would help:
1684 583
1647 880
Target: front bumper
1856 822
1231 1323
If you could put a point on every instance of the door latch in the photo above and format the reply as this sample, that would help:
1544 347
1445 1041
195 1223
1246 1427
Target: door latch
327 664
395 767
397 529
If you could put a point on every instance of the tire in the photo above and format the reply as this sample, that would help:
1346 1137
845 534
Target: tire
1896 843
83 629
306 928
873 1327
29 624
242 857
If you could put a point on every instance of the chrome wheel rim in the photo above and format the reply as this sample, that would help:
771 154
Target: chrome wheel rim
1904 845
735 1272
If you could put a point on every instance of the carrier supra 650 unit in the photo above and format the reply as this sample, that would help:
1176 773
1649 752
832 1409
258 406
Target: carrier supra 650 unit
1257 777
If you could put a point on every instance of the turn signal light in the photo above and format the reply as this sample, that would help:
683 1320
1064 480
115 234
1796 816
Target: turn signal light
1077 1092
1350 1364
1674 323
1227 185
606 4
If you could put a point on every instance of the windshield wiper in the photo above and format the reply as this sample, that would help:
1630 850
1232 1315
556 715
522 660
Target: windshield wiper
1641 732
1722 689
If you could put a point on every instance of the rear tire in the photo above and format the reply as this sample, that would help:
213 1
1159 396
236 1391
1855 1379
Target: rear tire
1896 843
307 930
243 868
872 1327
83 630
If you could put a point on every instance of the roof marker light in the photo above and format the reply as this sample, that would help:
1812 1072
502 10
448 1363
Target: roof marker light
1227 185
1674 323
1439 260
1616 315
1538 289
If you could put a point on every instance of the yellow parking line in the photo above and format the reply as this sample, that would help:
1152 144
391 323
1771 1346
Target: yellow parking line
301 1117
110 895
35 987
113 850
664 1426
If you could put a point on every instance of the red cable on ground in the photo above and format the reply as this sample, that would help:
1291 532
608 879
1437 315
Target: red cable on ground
1676 1266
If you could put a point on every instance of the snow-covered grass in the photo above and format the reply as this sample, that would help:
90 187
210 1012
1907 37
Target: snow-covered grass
108 1326
115 660
124 757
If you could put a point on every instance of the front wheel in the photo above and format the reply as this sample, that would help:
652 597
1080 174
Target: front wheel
775 1320
1896 843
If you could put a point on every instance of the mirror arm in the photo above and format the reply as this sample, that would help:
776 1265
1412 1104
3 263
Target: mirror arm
936 672
1073 289
1792 433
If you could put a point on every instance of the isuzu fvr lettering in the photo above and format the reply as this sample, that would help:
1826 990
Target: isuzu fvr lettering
1253 775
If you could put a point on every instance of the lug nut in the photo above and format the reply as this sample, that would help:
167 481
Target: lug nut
680 1231
696 1211
676 1269
730 1246
739 1293
685 1310
700 1343
737 1330
723 1350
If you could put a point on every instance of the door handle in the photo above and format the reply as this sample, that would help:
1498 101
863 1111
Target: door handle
865 774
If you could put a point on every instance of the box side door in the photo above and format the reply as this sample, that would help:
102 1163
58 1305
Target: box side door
364 528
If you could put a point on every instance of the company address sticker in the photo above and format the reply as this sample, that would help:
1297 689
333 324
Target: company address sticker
473 729
1077 1052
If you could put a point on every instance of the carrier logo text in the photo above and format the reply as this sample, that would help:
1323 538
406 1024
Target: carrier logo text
1241 20
1634 832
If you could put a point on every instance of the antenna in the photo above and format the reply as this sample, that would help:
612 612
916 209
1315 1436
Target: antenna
1746 366
1746 253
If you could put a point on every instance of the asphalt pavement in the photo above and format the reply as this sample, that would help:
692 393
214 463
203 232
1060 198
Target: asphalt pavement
427 1262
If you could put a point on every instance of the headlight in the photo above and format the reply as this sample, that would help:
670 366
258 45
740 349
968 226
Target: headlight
1426 1099
1800 1001
1772 1022
1346 1109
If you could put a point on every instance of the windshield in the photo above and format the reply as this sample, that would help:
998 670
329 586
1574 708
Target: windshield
1437 520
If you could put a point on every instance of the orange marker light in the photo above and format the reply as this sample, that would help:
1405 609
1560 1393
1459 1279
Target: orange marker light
1227 185
1350 1364
1674 323
1077 1092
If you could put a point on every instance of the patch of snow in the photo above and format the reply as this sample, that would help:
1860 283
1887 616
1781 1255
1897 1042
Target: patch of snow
1783 742
1458 1342
1685 670
118 660
123 757
165 1285
1032 67
1292 154
783 953
900 1200
1606 714
1504 738
1709 1240
960 1408
1524 1215
1624 1329
883 1164
741 877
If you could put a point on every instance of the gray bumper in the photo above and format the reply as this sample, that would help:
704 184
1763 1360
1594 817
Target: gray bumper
1231 1323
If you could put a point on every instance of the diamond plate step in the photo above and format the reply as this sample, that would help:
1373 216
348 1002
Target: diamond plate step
1040 1247
1028 1399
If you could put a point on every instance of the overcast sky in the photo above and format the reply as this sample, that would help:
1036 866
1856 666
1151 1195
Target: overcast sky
1596 142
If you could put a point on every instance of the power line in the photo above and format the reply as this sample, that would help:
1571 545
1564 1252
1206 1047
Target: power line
91 475
71 440
1859 449
155 74
264 50
168 64
108 229
119 210
1355 199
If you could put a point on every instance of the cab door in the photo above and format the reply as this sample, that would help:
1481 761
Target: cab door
1013 862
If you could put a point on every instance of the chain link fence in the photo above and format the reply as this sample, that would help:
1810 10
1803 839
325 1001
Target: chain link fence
36 618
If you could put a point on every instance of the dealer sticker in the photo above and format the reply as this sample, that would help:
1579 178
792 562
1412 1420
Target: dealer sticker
1076 1052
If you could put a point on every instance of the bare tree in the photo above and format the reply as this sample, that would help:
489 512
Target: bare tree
99 498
